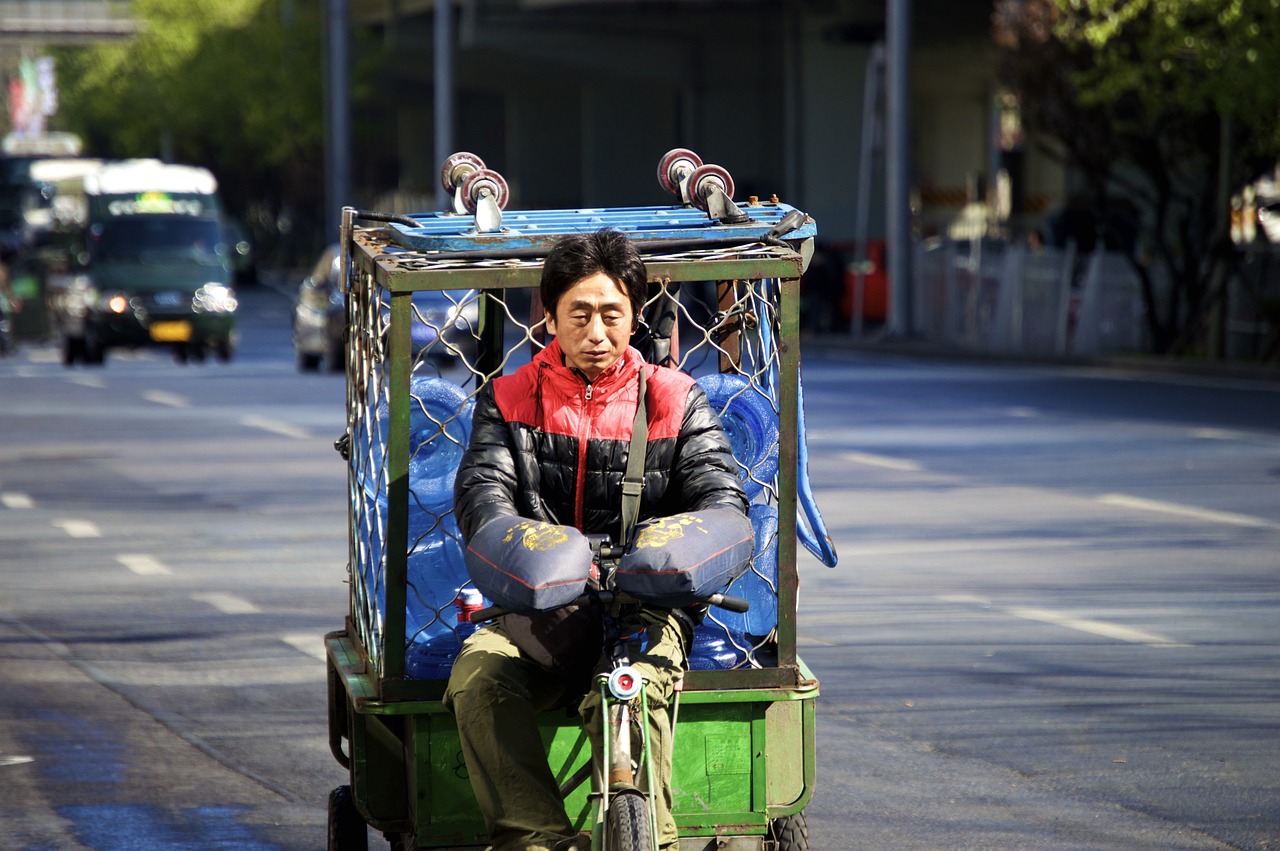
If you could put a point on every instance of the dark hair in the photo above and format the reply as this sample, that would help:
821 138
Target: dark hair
581 255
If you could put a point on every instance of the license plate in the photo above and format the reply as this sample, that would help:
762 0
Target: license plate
171 332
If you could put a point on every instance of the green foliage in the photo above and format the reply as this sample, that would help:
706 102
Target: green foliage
234 85
1172 104
1194 56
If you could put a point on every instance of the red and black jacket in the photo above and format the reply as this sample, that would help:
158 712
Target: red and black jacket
548 445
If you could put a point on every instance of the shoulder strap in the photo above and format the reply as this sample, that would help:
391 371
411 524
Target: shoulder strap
633 480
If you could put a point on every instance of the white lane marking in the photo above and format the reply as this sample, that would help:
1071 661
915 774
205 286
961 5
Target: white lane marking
164 397
287 669
964 598
1088 625
276 427
882 461
228 604
312 645
15 760
1215 434
79 528
1094 627
86 381
143 564
16 500
955 545
1121 500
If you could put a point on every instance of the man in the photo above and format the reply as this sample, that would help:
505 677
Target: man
550 443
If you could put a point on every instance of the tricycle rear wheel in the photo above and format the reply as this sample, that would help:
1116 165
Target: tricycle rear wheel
790 833
347 829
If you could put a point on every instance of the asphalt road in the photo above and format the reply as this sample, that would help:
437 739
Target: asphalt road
1054 624
173 552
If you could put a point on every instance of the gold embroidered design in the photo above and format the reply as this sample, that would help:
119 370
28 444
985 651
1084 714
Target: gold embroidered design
664 530
537 536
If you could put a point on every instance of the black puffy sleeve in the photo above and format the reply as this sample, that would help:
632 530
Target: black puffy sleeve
485 486
704 473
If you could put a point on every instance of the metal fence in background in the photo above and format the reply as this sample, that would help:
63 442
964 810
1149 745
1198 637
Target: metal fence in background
995 296
1007 297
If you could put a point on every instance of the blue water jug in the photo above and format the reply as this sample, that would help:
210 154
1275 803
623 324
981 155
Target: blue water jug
435 572
432 657
750 421
759 584
439 430
713 650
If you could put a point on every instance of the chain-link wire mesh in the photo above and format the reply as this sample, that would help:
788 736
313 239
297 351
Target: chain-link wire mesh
722 333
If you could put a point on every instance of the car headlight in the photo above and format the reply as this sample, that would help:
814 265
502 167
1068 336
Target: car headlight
214 298
115 303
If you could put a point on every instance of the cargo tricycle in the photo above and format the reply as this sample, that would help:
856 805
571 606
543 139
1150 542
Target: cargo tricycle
439 303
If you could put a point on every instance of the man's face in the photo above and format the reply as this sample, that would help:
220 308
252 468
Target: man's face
593 323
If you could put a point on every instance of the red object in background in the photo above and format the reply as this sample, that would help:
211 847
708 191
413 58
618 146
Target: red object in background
875 287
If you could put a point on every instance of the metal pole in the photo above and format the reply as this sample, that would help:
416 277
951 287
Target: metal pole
443 26
337 119
868 150
898 164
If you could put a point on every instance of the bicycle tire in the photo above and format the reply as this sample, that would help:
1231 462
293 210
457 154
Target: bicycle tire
629 822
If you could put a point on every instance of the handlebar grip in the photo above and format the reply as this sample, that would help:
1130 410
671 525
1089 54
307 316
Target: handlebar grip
488 614
729 602
789 222
491 612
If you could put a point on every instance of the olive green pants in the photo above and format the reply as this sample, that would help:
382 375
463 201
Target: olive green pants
495 693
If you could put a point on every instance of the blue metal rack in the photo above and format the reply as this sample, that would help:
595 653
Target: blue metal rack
534 229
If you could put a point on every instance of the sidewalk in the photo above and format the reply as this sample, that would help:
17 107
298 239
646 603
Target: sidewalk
1139 363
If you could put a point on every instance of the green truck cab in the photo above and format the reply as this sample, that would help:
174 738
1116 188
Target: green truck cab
152 267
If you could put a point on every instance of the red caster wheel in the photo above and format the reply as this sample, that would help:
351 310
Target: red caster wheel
481 183
705 179
456 169
675 165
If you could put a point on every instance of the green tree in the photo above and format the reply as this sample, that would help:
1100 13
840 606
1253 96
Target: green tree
1172 104
233 85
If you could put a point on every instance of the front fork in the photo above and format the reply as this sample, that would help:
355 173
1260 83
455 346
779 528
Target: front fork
621 690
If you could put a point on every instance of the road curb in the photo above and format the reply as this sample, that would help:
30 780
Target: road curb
1151 364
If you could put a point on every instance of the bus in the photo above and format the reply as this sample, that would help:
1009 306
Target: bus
154 270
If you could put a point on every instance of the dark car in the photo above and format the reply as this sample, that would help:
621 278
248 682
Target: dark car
445 323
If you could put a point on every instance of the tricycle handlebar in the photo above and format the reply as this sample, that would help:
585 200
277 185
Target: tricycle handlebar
724 601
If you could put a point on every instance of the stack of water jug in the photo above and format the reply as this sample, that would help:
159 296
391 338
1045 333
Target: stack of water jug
439 594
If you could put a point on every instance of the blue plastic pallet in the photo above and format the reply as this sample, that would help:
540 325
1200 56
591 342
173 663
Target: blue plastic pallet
526 229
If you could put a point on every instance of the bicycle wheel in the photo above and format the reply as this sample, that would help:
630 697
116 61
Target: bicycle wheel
629 822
